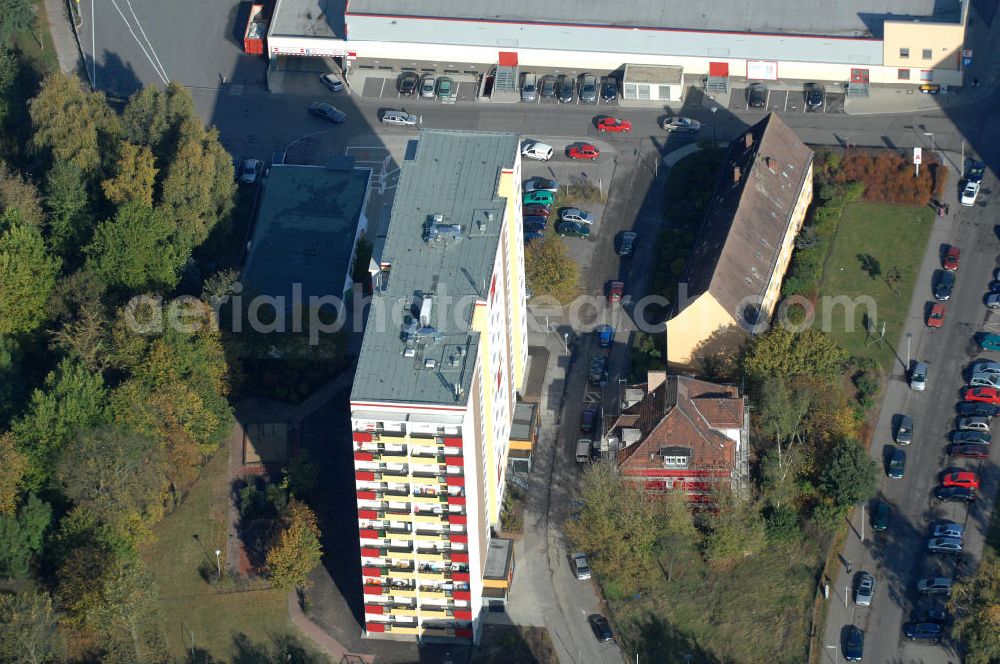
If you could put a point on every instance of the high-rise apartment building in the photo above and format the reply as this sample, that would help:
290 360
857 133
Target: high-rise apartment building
443 358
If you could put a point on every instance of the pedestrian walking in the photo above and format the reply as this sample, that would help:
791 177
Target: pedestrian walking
849 566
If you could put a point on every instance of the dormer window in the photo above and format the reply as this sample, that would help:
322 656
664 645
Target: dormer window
675 461
675 456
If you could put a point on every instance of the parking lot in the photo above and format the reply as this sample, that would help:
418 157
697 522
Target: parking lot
787 101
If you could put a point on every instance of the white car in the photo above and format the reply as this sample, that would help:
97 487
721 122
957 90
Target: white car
581 568
993 301
681 125
248 171
944 545
969 193
948 529
865 591
577 215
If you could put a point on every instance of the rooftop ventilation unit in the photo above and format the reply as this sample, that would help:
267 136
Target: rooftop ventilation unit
425 311
429 363
436 229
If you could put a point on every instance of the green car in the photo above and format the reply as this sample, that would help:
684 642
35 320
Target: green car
880 516
538 198
989 342
573 229
445 87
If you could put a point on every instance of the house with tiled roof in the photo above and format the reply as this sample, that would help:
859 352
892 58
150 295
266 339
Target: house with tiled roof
680 433
738 262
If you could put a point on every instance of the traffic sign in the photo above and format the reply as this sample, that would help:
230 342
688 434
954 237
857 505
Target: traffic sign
917 155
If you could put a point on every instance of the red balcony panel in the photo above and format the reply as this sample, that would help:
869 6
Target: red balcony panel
367 533
453 480
375 609
454 460
460 519
459 539
368 552
364 475
363 456
380 627
460 576
456 500
371 571
463 615
362 437
451 441
367 514
459 557
366 495
372 589
463 633
461 594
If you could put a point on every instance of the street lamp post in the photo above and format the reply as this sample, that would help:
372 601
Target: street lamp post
218 561
909 335
715 109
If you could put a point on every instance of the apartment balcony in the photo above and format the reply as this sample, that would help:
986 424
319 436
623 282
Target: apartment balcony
439 632
424 461
412 611
402 592
432 594
398 453
427 517
396 475
398 529
398 548
375 589
435 611
398 513
430 556
429 536
430 573
426 499
400 629
417 479
396 566
407 575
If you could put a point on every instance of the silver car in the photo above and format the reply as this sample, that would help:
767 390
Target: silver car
577 215
399 118
529 88
935 586
581 568
681 125
427 86
984 379
865 590
985 366
948 529
973 423
944 545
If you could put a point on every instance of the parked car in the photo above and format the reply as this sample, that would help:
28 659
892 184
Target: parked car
598 372
547 87
984 394
605 336
399 118
881 515
588 418
944 545
588 89
583 151
680 125
896 464
934 586
536 150
973 423
581 568
540 184
948 529
973 408
944 284
960 478
529 88
615 291
983 379
977 170
445 88
969 194
609 89
332 83
327 112
993 301
757 95
988 341
815 96
573 229
986 366
536 210
932 614
904 430
969 451
538 198
854 644
955 494
614 125
536 224
566 88
249 170
971 438
625 243
427 86
923 631
951 258
918 377
601 627
408 83
576 215
935 317
865 590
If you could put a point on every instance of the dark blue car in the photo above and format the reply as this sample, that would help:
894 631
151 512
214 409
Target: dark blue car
605 336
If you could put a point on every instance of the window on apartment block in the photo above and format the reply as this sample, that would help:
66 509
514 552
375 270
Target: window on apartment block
926 75
904 52
903 74
928 53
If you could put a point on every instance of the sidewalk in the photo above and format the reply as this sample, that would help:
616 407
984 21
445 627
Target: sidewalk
63 37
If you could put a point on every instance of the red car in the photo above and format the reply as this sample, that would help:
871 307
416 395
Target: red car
536 209
615 291
950 261
936 316
984 394
969 451
583 151
614 125
962 478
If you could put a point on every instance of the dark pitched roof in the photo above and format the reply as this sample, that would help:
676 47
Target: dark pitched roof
748 216
683 412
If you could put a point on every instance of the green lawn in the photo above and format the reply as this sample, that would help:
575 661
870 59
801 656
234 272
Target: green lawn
243 626
896 236
758 611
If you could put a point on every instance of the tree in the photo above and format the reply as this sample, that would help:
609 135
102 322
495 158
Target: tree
871 265
135 175
154 117
137 249
13 465
21 536
735 530
782 415
72 399
892 278
28 631
128 615
550 271
71 220
975 601
781 353
28 275
851 475
20 194
16 17
8 76
298 549
74 125
115 474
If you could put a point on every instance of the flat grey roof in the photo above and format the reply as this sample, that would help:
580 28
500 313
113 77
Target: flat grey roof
653 74
498 558
309 18
845 18
524 417
306 224
454 174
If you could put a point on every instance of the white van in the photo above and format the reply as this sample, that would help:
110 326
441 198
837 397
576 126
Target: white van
537 151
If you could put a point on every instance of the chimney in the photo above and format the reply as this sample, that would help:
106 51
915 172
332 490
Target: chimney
655 379
772 164
748 140
737 174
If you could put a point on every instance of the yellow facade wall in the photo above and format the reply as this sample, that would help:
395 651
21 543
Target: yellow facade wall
943 40
696 323
773 290
510 188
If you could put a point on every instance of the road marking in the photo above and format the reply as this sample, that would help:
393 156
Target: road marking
151 49
93 47
136 38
